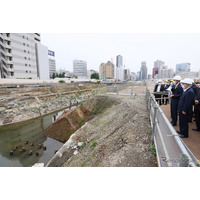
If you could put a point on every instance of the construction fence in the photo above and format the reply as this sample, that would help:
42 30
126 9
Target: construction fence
115 88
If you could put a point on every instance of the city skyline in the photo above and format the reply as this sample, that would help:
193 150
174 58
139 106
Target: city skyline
134 48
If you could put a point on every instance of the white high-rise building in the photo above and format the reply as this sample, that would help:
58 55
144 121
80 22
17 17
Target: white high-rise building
18 55
119 73
42 61
80 68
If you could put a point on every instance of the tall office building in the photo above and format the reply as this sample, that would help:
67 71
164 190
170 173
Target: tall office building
159 65
52 62
119 61
126 74
102 71
139 76
106 70
183 67
80 68
143 69
18 55
119 73
154 72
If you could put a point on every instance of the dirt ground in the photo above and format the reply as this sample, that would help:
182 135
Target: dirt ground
118 136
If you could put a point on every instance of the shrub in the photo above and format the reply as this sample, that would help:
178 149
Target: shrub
61 81
153 149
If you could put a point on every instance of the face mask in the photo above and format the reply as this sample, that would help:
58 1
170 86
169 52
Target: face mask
183 86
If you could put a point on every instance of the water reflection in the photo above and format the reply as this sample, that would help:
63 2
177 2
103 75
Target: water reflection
16 136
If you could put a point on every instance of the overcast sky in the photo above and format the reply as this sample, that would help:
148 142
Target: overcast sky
135 48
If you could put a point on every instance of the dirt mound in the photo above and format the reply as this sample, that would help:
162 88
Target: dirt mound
68 123
120 136
72 120
98 104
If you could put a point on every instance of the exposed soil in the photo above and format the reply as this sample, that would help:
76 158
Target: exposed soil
119 135
72 120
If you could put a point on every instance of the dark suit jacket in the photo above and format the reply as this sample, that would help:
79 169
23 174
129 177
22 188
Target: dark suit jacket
162 88
166 86
186 101
177 92
197 97
195 89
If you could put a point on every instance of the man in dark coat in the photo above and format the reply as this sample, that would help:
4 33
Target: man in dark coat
165 96
159 87
197 106
185 106
177 91
194 87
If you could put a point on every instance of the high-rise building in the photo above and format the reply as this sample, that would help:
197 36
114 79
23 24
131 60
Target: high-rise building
42 61
154 72
133 76
139 76
80 68
119 61
106 70
166 73
102 71
52 62
143 69
126 74
183 67
158 64
18 55
110 70
119 73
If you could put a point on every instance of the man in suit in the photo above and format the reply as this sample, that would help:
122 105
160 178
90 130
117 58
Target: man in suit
197 105
185 107
177 91
165 96
159 87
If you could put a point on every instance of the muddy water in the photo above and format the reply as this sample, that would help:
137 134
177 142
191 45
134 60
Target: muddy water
12 136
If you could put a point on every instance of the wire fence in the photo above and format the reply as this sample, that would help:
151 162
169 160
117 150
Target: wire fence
170 148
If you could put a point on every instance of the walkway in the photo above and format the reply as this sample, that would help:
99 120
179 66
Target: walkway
193 141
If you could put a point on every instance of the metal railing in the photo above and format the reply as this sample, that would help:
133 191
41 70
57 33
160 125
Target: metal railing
170 149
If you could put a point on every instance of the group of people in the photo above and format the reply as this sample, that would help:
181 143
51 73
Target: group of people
184 96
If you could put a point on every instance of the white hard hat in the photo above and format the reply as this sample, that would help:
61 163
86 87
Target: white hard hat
187 81
177 78
159 81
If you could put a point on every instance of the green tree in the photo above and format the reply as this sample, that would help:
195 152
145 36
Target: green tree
95 76
54 75
63 75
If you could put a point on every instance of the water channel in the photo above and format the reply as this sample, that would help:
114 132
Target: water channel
17 135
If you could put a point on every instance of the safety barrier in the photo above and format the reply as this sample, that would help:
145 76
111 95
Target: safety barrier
170 149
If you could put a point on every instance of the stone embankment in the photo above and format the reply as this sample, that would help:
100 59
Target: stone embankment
21 104
117 134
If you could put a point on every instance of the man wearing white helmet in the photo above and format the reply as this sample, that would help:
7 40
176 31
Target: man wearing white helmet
177 91
185 106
